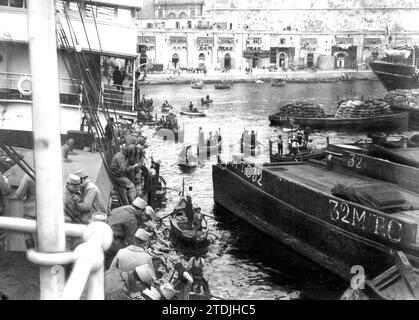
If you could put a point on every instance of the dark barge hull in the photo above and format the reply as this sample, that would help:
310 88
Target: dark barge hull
327 245
395 76
398 121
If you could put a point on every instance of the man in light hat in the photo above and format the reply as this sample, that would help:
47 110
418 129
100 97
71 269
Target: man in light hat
71 195
134 255
124 222
121 285
120 170
91 199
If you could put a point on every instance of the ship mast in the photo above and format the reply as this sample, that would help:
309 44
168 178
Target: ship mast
47 146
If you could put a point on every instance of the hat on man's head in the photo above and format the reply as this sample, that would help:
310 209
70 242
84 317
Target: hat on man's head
167 291
139 203
142 234
73 179
81 173
146 274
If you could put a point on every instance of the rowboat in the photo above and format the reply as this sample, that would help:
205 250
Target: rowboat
222 85
206 103
289 130
182 230
197 85
277 82
197 113
382 122
302 155
187 163
166 108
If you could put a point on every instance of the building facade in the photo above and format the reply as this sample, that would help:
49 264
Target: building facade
278 34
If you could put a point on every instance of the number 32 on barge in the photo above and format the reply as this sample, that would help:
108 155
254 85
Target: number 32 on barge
297 204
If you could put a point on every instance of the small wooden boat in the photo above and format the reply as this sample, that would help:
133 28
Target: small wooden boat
196 113
277 82
289 130
206 103
197 85
187 163
302 155
181 229
166 108
382 122
222 85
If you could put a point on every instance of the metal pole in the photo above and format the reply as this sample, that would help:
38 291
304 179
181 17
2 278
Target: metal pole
47 153
134 86
96 285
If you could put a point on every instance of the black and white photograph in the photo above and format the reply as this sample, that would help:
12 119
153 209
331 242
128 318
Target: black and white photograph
230 151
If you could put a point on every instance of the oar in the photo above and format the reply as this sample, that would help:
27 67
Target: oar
166 216
172 189
217 297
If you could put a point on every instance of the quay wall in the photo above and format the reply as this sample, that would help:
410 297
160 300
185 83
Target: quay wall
240 77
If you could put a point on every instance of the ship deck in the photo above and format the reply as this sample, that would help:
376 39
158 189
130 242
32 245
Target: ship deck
319 178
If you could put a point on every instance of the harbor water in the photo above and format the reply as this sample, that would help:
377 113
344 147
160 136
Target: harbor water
242 263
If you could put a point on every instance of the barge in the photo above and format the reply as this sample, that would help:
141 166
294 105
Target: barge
294 203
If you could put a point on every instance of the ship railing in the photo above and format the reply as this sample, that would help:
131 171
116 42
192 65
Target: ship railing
118 99
88 257
9 88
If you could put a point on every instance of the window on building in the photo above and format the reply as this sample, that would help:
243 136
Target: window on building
183 15
193 13
177 25
124 16
171 15
282 40
231 26
4 3
189 24
149 26
273 56
160 14
17 3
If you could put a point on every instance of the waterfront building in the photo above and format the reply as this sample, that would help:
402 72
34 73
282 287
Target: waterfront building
104 32
275 34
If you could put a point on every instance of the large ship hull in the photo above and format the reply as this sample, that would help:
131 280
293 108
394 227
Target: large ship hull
395 76
331 247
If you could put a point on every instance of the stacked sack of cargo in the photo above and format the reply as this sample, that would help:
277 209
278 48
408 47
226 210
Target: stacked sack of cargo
362 108
302 109
402 98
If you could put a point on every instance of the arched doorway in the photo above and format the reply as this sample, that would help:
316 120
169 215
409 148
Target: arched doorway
340 60
255 62
282 58
227 61
201 60
310 60
175 59
143 60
